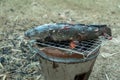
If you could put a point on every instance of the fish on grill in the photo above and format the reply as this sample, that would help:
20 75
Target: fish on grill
68 32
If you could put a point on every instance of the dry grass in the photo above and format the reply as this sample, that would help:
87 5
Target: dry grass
17 16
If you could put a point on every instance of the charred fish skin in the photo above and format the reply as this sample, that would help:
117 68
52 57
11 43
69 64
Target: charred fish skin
81 32
66 31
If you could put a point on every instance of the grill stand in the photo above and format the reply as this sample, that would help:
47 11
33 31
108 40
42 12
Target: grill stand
68 68
61 71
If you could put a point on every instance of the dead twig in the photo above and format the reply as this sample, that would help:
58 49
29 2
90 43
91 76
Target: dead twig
1 75
107 76
1 65
108 55
4 77
38 77
16 50
6 46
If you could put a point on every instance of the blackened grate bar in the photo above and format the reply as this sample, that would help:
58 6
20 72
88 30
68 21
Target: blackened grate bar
83 47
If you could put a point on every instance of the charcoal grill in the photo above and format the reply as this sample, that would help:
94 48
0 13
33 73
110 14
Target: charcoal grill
60 62
84 48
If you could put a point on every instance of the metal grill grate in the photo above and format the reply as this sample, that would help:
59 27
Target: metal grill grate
83 47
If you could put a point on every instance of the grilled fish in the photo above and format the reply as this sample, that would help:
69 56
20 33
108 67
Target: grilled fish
66 31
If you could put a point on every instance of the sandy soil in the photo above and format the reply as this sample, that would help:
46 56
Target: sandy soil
17 16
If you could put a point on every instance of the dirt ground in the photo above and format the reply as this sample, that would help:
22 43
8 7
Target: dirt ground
16 16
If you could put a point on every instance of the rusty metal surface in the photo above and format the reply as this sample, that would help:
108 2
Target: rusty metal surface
68 60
